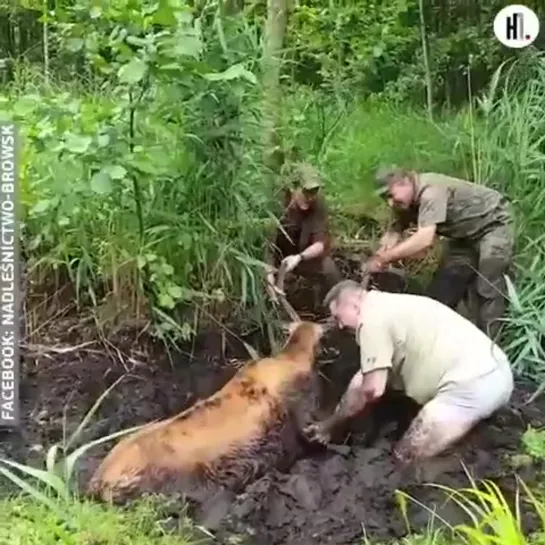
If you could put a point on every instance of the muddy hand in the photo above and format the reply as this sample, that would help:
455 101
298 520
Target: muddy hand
373 265
318 433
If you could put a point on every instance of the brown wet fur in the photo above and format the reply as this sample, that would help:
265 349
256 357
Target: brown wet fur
228 440
324 498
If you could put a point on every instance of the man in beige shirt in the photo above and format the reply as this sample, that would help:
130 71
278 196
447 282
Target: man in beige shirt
438 357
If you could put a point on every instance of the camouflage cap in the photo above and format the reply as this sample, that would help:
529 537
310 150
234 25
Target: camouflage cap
305 176
385 175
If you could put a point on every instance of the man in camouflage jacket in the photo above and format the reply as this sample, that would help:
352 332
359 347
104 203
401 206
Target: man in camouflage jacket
302 241
475 220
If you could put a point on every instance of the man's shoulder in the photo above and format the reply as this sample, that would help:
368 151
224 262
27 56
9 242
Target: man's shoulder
433 180
380 305
398 307
436 178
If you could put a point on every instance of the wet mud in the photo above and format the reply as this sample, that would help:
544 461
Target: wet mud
327 498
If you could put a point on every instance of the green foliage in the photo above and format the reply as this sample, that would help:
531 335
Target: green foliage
27 522
501 143
490 517
373 46
141 174
533 442
153 190
335 45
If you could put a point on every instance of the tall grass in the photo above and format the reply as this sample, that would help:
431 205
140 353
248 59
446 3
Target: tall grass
502 143
204 211
489 517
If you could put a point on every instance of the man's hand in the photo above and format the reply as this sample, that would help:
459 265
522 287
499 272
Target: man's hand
389 240
319 432
292 261
374 265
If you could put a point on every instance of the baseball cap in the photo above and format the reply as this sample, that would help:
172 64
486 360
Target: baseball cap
306 176
384 175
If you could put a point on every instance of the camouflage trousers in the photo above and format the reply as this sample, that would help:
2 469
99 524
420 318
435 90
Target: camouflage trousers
479 266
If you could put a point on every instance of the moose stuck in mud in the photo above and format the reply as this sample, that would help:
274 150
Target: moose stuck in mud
251 426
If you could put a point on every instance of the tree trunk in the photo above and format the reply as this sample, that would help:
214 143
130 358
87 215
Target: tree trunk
275 30
46 41
429 88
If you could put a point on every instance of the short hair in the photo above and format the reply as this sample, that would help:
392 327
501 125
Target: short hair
338 289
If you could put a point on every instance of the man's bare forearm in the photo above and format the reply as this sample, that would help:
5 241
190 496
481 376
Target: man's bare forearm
352 402
313 251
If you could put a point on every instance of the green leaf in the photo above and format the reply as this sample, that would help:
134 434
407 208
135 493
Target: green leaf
35 242
101 182
144 164
96 405
164 16
95 12
74 44
50 479
175 291
182 44
187 45
116 172
166 301
141 261
41 206
29 489
132 72
74 456
77 143
234 72
51 459
135 40
103 140
26 105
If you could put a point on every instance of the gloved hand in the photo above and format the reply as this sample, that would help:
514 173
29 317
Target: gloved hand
292 261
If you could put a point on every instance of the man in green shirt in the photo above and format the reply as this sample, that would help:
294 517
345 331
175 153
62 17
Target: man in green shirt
475 219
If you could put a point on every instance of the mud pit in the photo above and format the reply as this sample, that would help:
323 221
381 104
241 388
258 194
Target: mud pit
329 498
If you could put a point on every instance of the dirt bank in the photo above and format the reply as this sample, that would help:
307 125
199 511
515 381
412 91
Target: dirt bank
325 499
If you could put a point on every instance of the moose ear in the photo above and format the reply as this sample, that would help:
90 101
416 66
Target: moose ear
292 326
328 325
285 327
288 328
